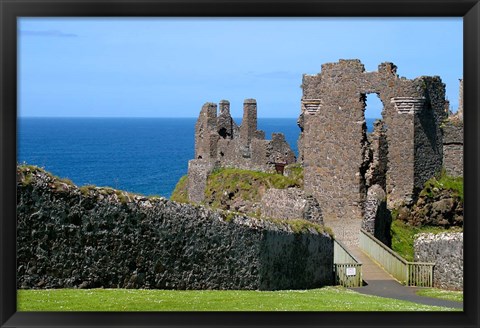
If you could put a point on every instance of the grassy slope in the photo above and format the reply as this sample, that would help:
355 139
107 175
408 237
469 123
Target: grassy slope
403 236
324 299
180 193
245 184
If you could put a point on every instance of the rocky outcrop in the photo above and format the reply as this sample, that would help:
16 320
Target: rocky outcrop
446 251
70 237
437 208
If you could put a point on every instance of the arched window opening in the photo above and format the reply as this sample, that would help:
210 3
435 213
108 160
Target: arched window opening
373 110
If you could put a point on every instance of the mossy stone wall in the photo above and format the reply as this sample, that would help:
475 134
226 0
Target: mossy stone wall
98 237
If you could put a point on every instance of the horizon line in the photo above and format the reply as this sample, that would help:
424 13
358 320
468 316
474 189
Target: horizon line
169 117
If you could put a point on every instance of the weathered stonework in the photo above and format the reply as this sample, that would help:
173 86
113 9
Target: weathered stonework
336 153
377 219
198 171
220 139
290 203
460 101
452 129
377 170
453 146
446 251
220 142
91 237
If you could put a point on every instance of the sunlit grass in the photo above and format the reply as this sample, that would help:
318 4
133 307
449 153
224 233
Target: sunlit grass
449 295
324 299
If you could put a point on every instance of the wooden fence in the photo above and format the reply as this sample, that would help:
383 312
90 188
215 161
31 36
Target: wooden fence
409 273
347 269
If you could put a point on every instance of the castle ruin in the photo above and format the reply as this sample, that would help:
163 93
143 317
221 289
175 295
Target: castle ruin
220 142
341 162
355 177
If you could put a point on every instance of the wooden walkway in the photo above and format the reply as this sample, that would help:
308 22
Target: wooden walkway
370 269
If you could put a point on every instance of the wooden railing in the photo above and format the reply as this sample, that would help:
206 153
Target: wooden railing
408 273
420 274
347 269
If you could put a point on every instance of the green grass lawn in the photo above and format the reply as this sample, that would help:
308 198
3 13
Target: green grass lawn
448 295
323 299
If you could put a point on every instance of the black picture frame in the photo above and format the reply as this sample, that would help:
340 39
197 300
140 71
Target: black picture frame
10 10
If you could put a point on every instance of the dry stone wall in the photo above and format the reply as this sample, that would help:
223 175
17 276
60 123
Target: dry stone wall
71 237
446 251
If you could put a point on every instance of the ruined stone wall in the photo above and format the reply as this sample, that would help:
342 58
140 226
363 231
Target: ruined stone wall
90 237
290 203
332 148
221 139
460 101
226 126
334 145
377 219
413 137
421 141
453 147
428 134
198 171
452 129
377 170
206 125
446 251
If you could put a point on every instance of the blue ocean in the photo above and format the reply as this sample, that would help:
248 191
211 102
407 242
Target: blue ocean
141 155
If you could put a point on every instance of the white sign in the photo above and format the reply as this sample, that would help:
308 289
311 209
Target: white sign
351 271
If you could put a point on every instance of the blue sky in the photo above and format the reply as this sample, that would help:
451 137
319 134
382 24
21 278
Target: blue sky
169 67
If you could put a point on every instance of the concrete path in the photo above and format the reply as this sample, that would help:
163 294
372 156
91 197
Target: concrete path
380 283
